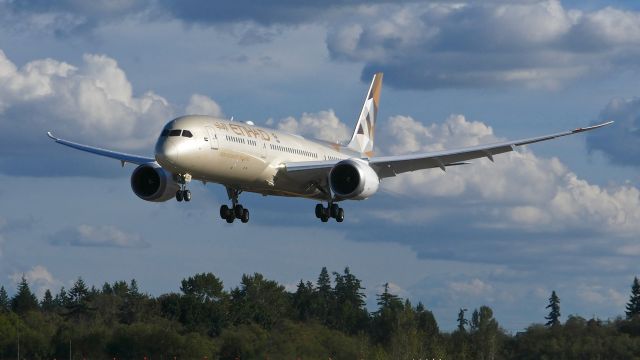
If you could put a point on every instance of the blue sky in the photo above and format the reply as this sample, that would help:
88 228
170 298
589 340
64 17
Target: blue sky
558 216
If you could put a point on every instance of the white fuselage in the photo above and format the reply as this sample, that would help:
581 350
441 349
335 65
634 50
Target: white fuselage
241 155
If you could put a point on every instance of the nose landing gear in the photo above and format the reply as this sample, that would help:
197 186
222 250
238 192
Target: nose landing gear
236 211
183 193
331 211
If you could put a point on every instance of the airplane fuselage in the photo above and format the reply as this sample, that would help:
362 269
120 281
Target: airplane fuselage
241 155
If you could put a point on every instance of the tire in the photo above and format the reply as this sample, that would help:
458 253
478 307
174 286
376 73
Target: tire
224 211
179 195
319 210
187 195
245 216
324 218
340 215
230 219
238 209
333 212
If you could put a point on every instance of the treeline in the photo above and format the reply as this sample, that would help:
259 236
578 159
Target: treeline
259 319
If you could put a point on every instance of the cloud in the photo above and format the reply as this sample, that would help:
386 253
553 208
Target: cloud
97 236
474 287
323 125
92 103
67 17
520 191
39 279
621 141
536 44
203 105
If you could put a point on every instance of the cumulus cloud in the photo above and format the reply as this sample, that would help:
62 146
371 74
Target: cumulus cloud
473 287
323 125
480 44
94 102
523 190
620 142
39 278
203 105
97 236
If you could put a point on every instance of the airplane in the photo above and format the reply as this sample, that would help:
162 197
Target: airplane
245 157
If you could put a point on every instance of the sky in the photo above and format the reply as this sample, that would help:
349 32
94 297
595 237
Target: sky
562 215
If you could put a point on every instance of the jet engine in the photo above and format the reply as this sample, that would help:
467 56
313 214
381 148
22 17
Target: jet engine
353 179
153 183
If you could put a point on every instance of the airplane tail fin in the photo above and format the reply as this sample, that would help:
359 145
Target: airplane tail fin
362 138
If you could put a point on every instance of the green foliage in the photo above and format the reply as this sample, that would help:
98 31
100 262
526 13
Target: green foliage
633 306
554 310
261 320
5 304
24 300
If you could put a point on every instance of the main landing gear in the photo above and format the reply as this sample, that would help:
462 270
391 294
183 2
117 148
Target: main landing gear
331 211
236 211
183 193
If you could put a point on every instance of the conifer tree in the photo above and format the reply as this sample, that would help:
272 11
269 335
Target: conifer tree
5 305
78 292
24 300
462 322
554 312
633 306
47 303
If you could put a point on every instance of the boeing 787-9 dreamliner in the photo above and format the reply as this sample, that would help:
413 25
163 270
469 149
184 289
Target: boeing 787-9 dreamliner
244 157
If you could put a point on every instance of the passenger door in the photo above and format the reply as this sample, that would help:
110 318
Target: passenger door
213 138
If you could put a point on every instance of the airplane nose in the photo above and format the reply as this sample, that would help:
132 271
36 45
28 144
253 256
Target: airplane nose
167 152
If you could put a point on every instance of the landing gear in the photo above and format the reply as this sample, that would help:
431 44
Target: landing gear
331 211
236 211
183 193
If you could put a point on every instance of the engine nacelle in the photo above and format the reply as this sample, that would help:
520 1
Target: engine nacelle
153 183
353 179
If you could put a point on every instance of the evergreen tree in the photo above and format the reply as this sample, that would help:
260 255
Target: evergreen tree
303 300
204 287
24 300
462 322
554 312
47 303
350 314
385 319
633 306
5 305
62 298
107 289
79 292
325 298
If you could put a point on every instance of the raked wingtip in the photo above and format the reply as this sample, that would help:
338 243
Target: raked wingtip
50 135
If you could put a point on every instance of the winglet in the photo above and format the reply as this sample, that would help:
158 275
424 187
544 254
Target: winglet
50 135
592 127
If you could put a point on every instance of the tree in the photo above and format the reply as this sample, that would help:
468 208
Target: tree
24 300
633 306
484 333
260 301
5 305
385 319
462 322
350 314
204 287
554 312
303 300
47 303
325 298
79 292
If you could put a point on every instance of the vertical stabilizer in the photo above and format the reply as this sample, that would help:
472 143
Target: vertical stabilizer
362 138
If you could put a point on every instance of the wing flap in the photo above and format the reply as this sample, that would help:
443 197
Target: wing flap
123 157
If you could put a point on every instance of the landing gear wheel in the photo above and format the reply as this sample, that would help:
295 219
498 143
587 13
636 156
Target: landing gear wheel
186 194
340 215
319 210
245 216
238 210
230 219
224 211
333 210
179 195
324 218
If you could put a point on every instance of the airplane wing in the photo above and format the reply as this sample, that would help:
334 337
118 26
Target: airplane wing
123 157
388 166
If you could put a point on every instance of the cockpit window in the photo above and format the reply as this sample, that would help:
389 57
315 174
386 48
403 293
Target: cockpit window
165 133
187 133
175 132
